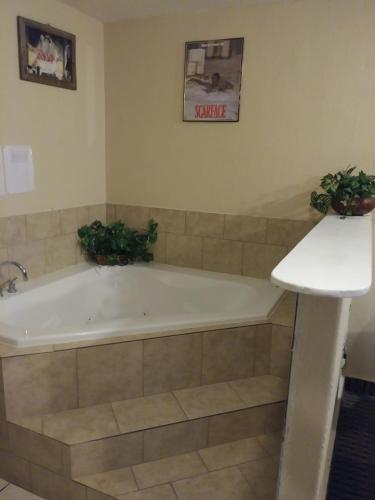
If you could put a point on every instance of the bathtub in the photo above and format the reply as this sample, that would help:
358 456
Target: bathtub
86 302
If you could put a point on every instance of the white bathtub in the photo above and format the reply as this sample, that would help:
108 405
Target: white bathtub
86 302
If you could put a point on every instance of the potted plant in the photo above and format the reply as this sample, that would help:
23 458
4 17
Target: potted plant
345 193
116 244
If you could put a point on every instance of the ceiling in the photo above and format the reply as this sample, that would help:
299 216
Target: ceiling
115 10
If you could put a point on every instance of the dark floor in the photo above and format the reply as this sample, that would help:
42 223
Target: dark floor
353 465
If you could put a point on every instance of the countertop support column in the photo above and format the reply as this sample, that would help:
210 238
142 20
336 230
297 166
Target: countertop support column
320 334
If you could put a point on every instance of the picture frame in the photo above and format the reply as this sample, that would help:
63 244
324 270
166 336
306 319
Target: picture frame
212 80
47 55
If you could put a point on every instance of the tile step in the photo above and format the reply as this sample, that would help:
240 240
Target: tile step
238 470
107 420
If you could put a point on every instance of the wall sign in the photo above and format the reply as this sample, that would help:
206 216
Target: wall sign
46 55
213 70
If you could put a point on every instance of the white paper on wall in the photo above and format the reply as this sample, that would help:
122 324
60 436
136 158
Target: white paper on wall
18 169
2 177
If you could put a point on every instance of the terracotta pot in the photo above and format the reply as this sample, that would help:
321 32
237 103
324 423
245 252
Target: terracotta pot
105 260
361 206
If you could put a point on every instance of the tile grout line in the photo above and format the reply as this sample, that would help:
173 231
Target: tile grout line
181 407
134 476
247 481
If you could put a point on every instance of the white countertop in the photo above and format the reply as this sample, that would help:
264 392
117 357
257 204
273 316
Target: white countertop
333 260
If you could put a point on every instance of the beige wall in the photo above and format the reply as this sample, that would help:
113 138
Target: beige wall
64 127
307 107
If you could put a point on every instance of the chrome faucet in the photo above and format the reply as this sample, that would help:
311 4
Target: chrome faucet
12 282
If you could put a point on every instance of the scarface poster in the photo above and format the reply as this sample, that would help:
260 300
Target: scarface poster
213 70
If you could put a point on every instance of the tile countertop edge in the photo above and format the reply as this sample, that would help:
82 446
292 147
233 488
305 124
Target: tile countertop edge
333 260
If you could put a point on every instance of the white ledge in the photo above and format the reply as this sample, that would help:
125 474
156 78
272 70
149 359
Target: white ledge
333 260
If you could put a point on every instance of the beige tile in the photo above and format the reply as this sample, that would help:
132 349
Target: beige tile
228 354
287 232
12 230
172 363
106 454
259 260
84 424
3 483
169 221
4 270
204 224
61 251
260 390
111 213
49 485
35 448
228 454
14 469
98 212
145 413
163 492
185 251
40 383
208 400
262 476
274 417
175 439
4 439
271 443
2 403
43 225
245 228
68 219
281 350
96 495
82 214
15 493
133 216
263 338
109 373
237 425
32 423
226 484
285 311
168 469
222 256
114 482
31 255
159 248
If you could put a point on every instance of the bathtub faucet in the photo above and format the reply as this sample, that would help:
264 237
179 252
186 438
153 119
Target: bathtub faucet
12 282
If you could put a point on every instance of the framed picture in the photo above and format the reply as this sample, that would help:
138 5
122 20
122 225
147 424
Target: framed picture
212 87
46 55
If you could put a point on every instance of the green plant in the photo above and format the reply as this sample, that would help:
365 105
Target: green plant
344 192
117 244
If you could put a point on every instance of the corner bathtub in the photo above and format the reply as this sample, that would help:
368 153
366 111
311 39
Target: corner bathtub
86 303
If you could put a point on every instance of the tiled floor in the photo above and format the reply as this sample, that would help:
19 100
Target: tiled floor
240 470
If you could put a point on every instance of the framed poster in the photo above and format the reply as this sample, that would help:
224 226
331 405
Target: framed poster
46 55
212 86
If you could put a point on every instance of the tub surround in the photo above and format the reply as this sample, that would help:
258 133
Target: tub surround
46 241
331 265
216 395
235 244
199 394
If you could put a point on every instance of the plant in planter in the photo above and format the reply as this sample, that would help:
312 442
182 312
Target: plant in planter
345 193
116 244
